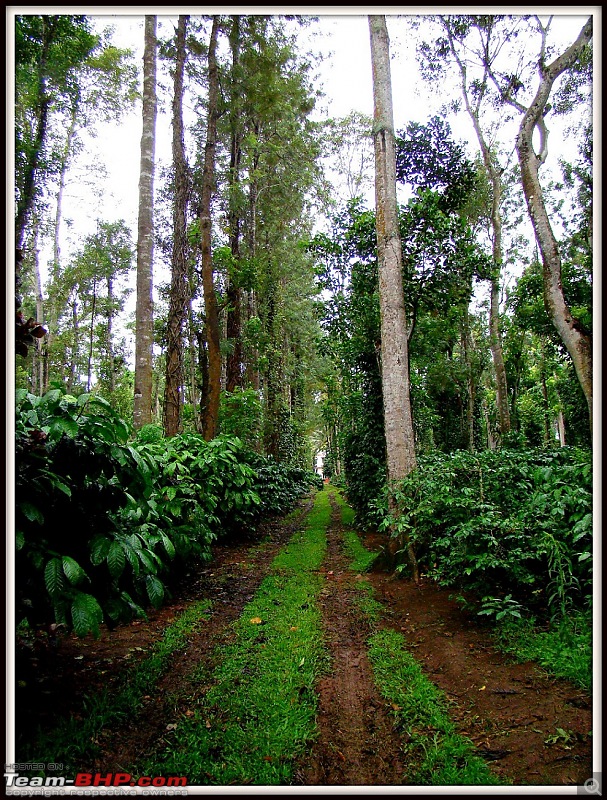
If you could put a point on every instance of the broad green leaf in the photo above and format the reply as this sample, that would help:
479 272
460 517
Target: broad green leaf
116 559
155 590
73 571
31 512
99 547
53 577
65 425
86 615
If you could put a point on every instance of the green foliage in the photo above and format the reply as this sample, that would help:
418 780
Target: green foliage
103 527
428 158
513 526
240 415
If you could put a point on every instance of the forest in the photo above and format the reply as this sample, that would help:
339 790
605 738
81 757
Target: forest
343 352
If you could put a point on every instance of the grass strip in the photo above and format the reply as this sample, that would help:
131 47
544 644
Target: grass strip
439 756
362 558
73 741
259 714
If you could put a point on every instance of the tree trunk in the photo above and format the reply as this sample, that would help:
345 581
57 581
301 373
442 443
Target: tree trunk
213 389
560 422
234 372
467 345
576 339
252 363
179 267
71 382
28 192
55 267
144 321
89 368
491 444
400 441
109 343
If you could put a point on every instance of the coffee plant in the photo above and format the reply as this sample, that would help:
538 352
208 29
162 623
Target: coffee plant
106 523
513 524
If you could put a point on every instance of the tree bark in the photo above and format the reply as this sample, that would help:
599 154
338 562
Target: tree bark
40 349
467 346
577 340
179 268
400 440
213 388
144 321
89 367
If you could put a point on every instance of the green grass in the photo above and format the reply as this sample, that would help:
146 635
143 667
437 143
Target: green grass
362 558
439 756
565 651
259 714
73 742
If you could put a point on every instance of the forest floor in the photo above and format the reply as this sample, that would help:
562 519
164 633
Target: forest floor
531 729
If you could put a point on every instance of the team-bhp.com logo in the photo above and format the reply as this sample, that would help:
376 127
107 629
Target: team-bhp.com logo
14 780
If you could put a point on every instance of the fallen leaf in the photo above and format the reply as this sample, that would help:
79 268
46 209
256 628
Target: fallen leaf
189 713
482 689
267 758
255 620
294 628
171 726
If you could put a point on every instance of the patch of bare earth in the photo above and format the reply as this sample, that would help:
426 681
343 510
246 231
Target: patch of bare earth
356 744
512 712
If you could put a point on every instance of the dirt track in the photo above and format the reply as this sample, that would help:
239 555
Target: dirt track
508 710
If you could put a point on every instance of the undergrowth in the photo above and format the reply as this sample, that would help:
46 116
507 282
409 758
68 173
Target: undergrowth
565 650
438 755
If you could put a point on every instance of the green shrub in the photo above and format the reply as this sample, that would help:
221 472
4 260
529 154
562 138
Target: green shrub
511 522
104 526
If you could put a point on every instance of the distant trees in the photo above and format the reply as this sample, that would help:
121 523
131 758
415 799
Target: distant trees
236 330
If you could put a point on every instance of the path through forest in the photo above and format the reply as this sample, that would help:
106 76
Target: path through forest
512 712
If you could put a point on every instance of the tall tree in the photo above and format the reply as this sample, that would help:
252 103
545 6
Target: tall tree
211 398
474 95
48 51
178 301
400 440
575 337
144 321
234 366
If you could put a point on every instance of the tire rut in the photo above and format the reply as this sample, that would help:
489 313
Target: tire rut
357 743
